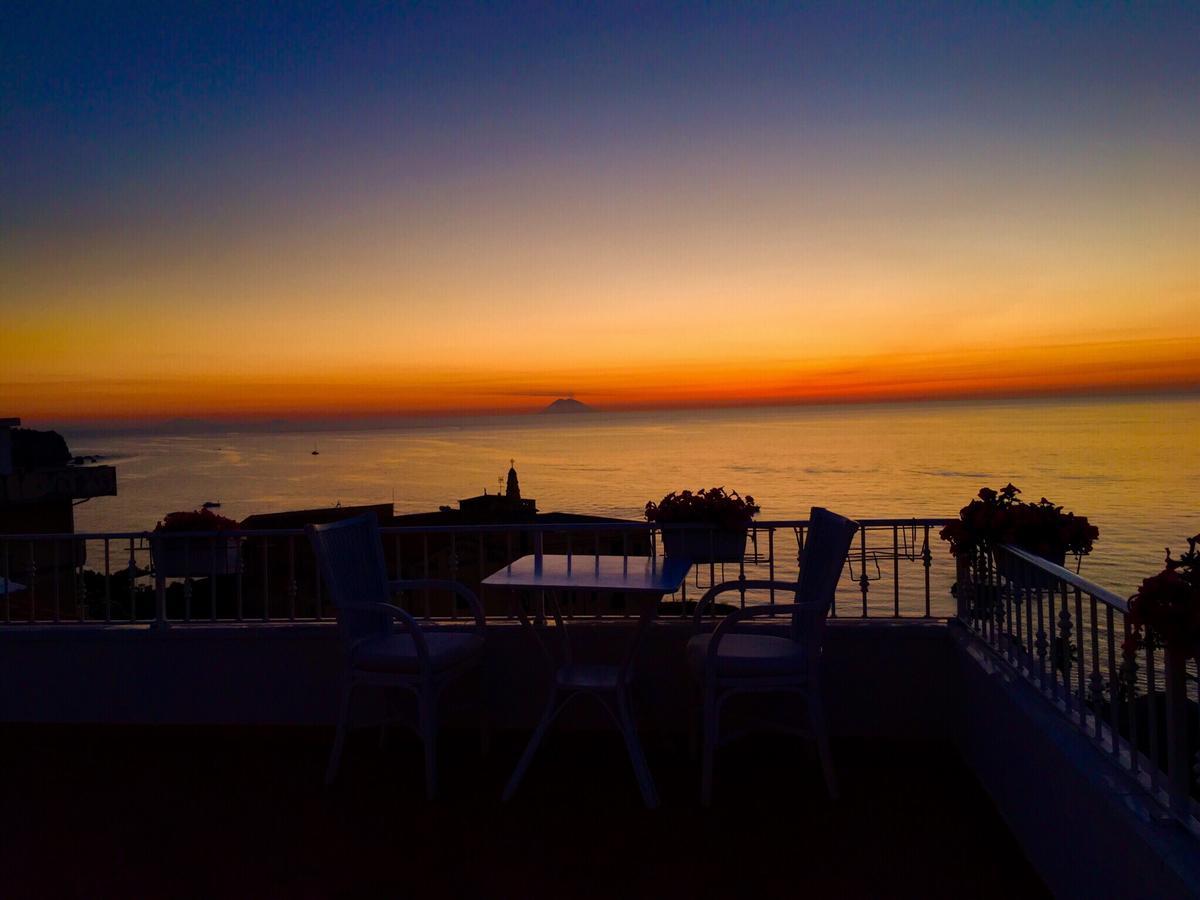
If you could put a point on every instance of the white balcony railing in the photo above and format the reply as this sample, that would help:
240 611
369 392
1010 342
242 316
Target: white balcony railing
270 575
1064 635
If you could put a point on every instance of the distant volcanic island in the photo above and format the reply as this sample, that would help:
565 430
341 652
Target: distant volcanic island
567 405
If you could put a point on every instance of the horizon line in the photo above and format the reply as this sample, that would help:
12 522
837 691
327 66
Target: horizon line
327 420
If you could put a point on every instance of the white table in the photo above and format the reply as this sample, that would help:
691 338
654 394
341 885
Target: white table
647 578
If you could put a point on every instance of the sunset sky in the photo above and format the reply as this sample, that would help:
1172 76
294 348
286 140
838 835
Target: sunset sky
301 211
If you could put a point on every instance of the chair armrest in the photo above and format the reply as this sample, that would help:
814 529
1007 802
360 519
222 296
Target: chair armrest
737 585
403 616
444 584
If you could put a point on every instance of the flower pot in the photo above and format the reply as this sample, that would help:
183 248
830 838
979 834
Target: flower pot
703 546
194 557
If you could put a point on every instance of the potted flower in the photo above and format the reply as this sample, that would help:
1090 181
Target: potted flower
183 557
1165 611
997 518
726 515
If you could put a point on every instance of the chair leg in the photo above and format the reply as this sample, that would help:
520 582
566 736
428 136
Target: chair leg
636 755
428 728
535 741
816 714
339 740
485 730
711 730
694 714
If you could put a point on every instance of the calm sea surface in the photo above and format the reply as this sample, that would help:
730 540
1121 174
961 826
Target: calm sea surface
1132 466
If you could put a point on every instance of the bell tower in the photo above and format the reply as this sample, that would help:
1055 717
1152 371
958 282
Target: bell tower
513 489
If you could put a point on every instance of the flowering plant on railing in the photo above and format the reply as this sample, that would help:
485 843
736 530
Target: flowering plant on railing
1165 611
196 520
713 506
999 517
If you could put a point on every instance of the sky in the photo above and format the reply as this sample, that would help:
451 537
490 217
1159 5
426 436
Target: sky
315 210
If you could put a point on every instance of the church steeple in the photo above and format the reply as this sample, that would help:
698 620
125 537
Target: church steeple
513 489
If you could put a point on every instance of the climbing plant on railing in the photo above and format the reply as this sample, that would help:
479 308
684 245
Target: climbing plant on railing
1165 610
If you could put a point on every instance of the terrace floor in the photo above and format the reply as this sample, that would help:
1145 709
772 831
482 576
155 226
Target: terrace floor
104 811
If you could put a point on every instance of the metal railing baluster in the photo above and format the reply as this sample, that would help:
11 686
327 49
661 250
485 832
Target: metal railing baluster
1152 715
927 563
320 612
863 582
896 571
54 565
1064 652
483 573
1042 642
81 597
1113 683
212 574
131 571
741 578
266 586
32 586
7 582
1096 678
291 541
1131 696
453 573
240 586
771 562
187 579
425 572
1080 687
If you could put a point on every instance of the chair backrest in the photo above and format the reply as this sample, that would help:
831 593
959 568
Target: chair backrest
825 552
350 555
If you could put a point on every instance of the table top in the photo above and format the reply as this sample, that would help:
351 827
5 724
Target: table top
585 571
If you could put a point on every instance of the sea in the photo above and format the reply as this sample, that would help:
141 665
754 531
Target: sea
1132 465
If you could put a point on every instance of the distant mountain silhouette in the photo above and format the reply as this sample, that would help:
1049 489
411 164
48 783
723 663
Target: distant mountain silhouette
567 405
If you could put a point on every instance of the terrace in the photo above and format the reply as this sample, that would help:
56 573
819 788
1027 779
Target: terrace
988 741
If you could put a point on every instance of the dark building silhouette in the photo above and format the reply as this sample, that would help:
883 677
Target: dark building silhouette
465 557
40 483
507 507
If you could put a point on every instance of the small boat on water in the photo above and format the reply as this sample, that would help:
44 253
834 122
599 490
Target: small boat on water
211 504
316 452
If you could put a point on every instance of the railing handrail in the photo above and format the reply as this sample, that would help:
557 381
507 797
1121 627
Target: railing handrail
1071 578
1084 659
556 527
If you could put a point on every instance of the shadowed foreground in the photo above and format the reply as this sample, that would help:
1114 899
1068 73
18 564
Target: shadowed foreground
94 812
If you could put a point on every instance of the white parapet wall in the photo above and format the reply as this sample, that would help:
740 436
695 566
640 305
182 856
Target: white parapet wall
1085 826
884 679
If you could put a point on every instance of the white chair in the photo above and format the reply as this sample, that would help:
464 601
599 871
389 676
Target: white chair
420 660
729 661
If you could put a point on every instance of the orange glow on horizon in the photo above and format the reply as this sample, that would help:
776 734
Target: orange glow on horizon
1101 367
